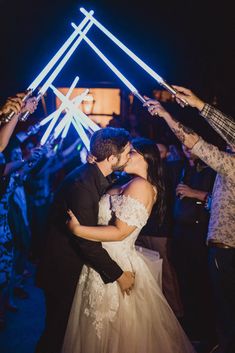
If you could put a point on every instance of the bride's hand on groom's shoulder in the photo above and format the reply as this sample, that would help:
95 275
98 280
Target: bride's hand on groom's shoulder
72 222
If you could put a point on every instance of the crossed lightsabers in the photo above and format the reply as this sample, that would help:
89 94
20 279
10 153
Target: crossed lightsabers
73 115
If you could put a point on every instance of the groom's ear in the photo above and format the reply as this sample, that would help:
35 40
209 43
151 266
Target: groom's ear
112 159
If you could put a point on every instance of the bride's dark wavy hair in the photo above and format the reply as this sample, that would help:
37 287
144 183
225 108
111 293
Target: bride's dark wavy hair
149 150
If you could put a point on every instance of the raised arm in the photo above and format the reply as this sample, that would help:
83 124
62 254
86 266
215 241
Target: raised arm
223 124
222 162
140 190
16 104
186 135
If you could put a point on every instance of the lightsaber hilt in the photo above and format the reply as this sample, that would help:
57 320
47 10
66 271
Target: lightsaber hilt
25 116
8 117
138 95
173 91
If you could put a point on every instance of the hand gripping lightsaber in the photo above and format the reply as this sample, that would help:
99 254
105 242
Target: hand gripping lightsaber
132 55
113 68
33 86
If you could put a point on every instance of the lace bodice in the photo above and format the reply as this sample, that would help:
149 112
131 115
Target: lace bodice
102 319
128 210
95 293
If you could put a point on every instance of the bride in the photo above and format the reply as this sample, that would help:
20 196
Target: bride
102 318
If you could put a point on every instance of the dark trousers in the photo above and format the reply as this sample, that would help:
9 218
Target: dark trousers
222 273
58 306
190 257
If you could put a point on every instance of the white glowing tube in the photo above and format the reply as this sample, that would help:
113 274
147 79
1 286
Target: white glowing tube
64 60
49 128
66 129
133 56
47 119
78 127
58 112
58 55
75 111
50 117
113 68
122 46
61 126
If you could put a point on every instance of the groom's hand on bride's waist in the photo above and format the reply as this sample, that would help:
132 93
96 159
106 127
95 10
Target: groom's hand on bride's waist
126 282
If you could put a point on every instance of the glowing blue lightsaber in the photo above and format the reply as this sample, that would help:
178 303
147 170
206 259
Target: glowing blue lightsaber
122 46
78 127
132 55
36 82
47 119
76 112
66 129
67 119
59 128
50 117
58 55
58 112
56 72
113 68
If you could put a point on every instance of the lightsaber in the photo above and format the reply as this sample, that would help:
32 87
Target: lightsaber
62 125
78 127
59 54
56 72
67 119
50 117
113 68
36 82
66 129
74 110
132 55
57 113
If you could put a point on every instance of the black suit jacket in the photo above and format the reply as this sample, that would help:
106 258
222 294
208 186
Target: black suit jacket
65 254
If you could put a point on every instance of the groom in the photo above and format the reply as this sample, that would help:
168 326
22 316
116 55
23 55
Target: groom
66 254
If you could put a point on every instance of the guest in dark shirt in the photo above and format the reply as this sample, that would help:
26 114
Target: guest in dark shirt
193 182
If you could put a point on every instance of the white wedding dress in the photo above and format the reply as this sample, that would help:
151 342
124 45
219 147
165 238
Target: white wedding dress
102 320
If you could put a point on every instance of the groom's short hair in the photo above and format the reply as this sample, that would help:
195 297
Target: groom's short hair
107 142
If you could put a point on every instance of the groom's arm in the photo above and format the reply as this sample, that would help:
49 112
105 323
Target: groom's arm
81 201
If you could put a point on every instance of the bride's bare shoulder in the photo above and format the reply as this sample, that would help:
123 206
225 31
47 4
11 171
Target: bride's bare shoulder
140 189
137 183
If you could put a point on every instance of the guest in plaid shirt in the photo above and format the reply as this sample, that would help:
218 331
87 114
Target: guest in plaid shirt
223 124
221 234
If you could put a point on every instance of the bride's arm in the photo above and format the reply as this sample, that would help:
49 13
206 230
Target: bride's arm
115 232
140 190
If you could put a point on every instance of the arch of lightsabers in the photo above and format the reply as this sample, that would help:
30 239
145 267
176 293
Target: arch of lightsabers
73 115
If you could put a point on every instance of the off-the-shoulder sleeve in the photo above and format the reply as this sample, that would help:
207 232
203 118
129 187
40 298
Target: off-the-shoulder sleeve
129 210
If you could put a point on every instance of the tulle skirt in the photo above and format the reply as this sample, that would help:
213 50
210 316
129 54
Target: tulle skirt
103 321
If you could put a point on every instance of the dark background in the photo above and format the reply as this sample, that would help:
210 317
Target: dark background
187 42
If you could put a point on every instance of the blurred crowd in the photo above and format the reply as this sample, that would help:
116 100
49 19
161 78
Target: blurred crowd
197 189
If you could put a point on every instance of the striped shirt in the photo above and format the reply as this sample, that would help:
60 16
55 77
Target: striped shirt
223 124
